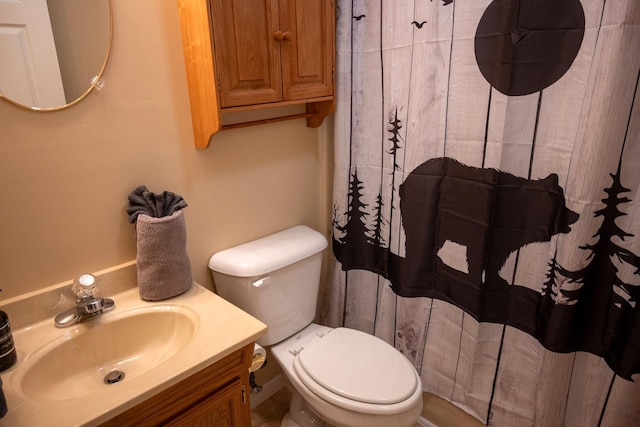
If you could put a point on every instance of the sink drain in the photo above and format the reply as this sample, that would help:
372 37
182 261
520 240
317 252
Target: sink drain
113 377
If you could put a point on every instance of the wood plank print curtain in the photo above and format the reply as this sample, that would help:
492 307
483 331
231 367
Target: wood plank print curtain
487 201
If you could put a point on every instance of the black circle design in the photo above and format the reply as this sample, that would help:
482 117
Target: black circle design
524 46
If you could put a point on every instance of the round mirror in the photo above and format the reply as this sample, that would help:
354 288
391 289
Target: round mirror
53 52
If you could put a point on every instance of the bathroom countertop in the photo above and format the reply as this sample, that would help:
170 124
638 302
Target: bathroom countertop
221 329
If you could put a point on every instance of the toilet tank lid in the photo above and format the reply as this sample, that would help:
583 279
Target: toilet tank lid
269 253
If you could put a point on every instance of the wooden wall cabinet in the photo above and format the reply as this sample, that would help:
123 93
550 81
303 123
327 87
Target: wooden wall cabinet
242 55
216 396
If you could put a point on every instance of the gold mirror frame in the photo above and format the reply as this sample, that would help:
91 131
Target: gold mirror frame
96 81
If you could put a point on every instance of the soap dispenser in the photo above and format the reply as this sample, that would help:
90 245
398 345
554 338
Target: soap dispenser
8 354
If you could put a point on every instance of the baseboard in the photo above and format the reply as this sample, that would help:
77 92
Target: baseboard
424 422
269 388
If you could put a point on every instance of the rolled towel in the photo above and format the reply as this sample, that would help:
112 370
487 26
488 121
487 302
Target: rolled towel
164 269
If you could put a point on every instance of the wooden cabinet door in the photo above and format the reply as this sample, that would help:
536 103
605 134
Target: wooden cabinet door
307 52
224 409
215 396
247 56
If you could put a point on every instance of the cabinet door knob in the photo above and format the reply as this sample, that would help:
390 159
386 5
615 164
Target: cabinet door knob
282 35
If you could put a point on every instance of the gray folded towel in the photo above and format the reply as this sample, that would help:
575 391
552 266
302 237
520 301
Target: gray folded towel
163 266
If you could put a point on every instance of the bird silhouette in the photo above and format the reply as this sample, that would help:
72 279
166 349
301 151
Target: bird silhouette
359 17
419 24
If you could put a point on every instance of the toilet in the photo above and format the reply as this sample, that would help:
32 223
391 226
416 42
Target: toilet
336 376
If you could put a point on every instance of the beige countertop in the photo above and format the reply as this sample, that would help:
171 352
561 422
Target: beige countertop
219 329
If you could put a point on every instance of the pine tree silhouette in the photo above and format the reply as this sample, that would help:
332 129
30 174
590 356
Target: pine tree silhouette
337 225
624 293
394 128
604 249
630 289
565 293
378 219
356 229
551 288
569 291
354 249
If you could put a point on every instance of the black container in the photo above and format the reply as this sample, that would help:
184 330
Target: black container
8 354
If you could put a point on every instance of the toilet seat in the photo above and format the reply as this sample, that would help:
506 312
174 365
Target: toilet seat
358 371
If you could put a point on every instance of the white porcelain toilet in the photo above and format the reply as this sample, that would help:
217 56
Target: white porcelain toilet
339 376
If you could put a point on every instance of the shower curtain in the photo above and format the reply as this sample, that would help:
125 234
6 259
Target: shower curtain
486 201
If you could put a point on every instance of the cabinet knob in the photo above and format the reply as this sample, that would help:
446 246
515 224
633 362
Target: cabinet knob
282 35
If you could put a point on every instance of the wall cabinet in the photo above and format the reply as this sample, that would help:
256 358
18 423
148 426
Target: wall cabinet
216 396
243 55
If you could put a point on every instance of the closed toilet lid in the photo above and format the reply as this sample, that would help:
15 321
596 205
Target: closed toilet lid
359 366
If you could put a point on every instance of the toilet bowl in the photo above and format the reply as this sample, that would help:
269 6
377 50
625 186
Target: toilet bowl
347 378
339 376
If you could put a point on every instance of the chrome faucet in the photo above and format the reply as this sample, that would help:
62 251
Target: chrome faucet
87 305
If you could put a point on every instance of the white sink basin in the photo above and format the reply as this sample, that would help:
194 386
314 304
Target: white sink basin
133 342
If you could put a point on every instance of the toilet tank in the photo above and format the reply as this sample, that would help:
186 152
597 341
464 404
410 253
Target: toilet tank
276 279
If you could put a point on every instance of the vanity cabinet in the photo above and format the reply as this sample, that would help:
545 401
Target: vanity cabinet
242 55
216 396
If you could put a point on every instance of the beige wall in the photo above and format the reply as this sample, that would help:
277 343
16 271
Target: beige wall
65 176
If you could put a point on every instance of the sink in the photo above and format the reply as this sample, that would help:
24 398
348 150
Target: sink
133 342
59 378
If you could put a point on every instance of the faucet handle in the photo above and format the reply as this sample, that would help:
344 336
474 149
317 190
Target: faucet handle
85 286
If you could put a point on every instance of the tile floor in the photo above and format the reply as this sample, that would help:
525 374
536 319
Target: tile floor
435 409
270 412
